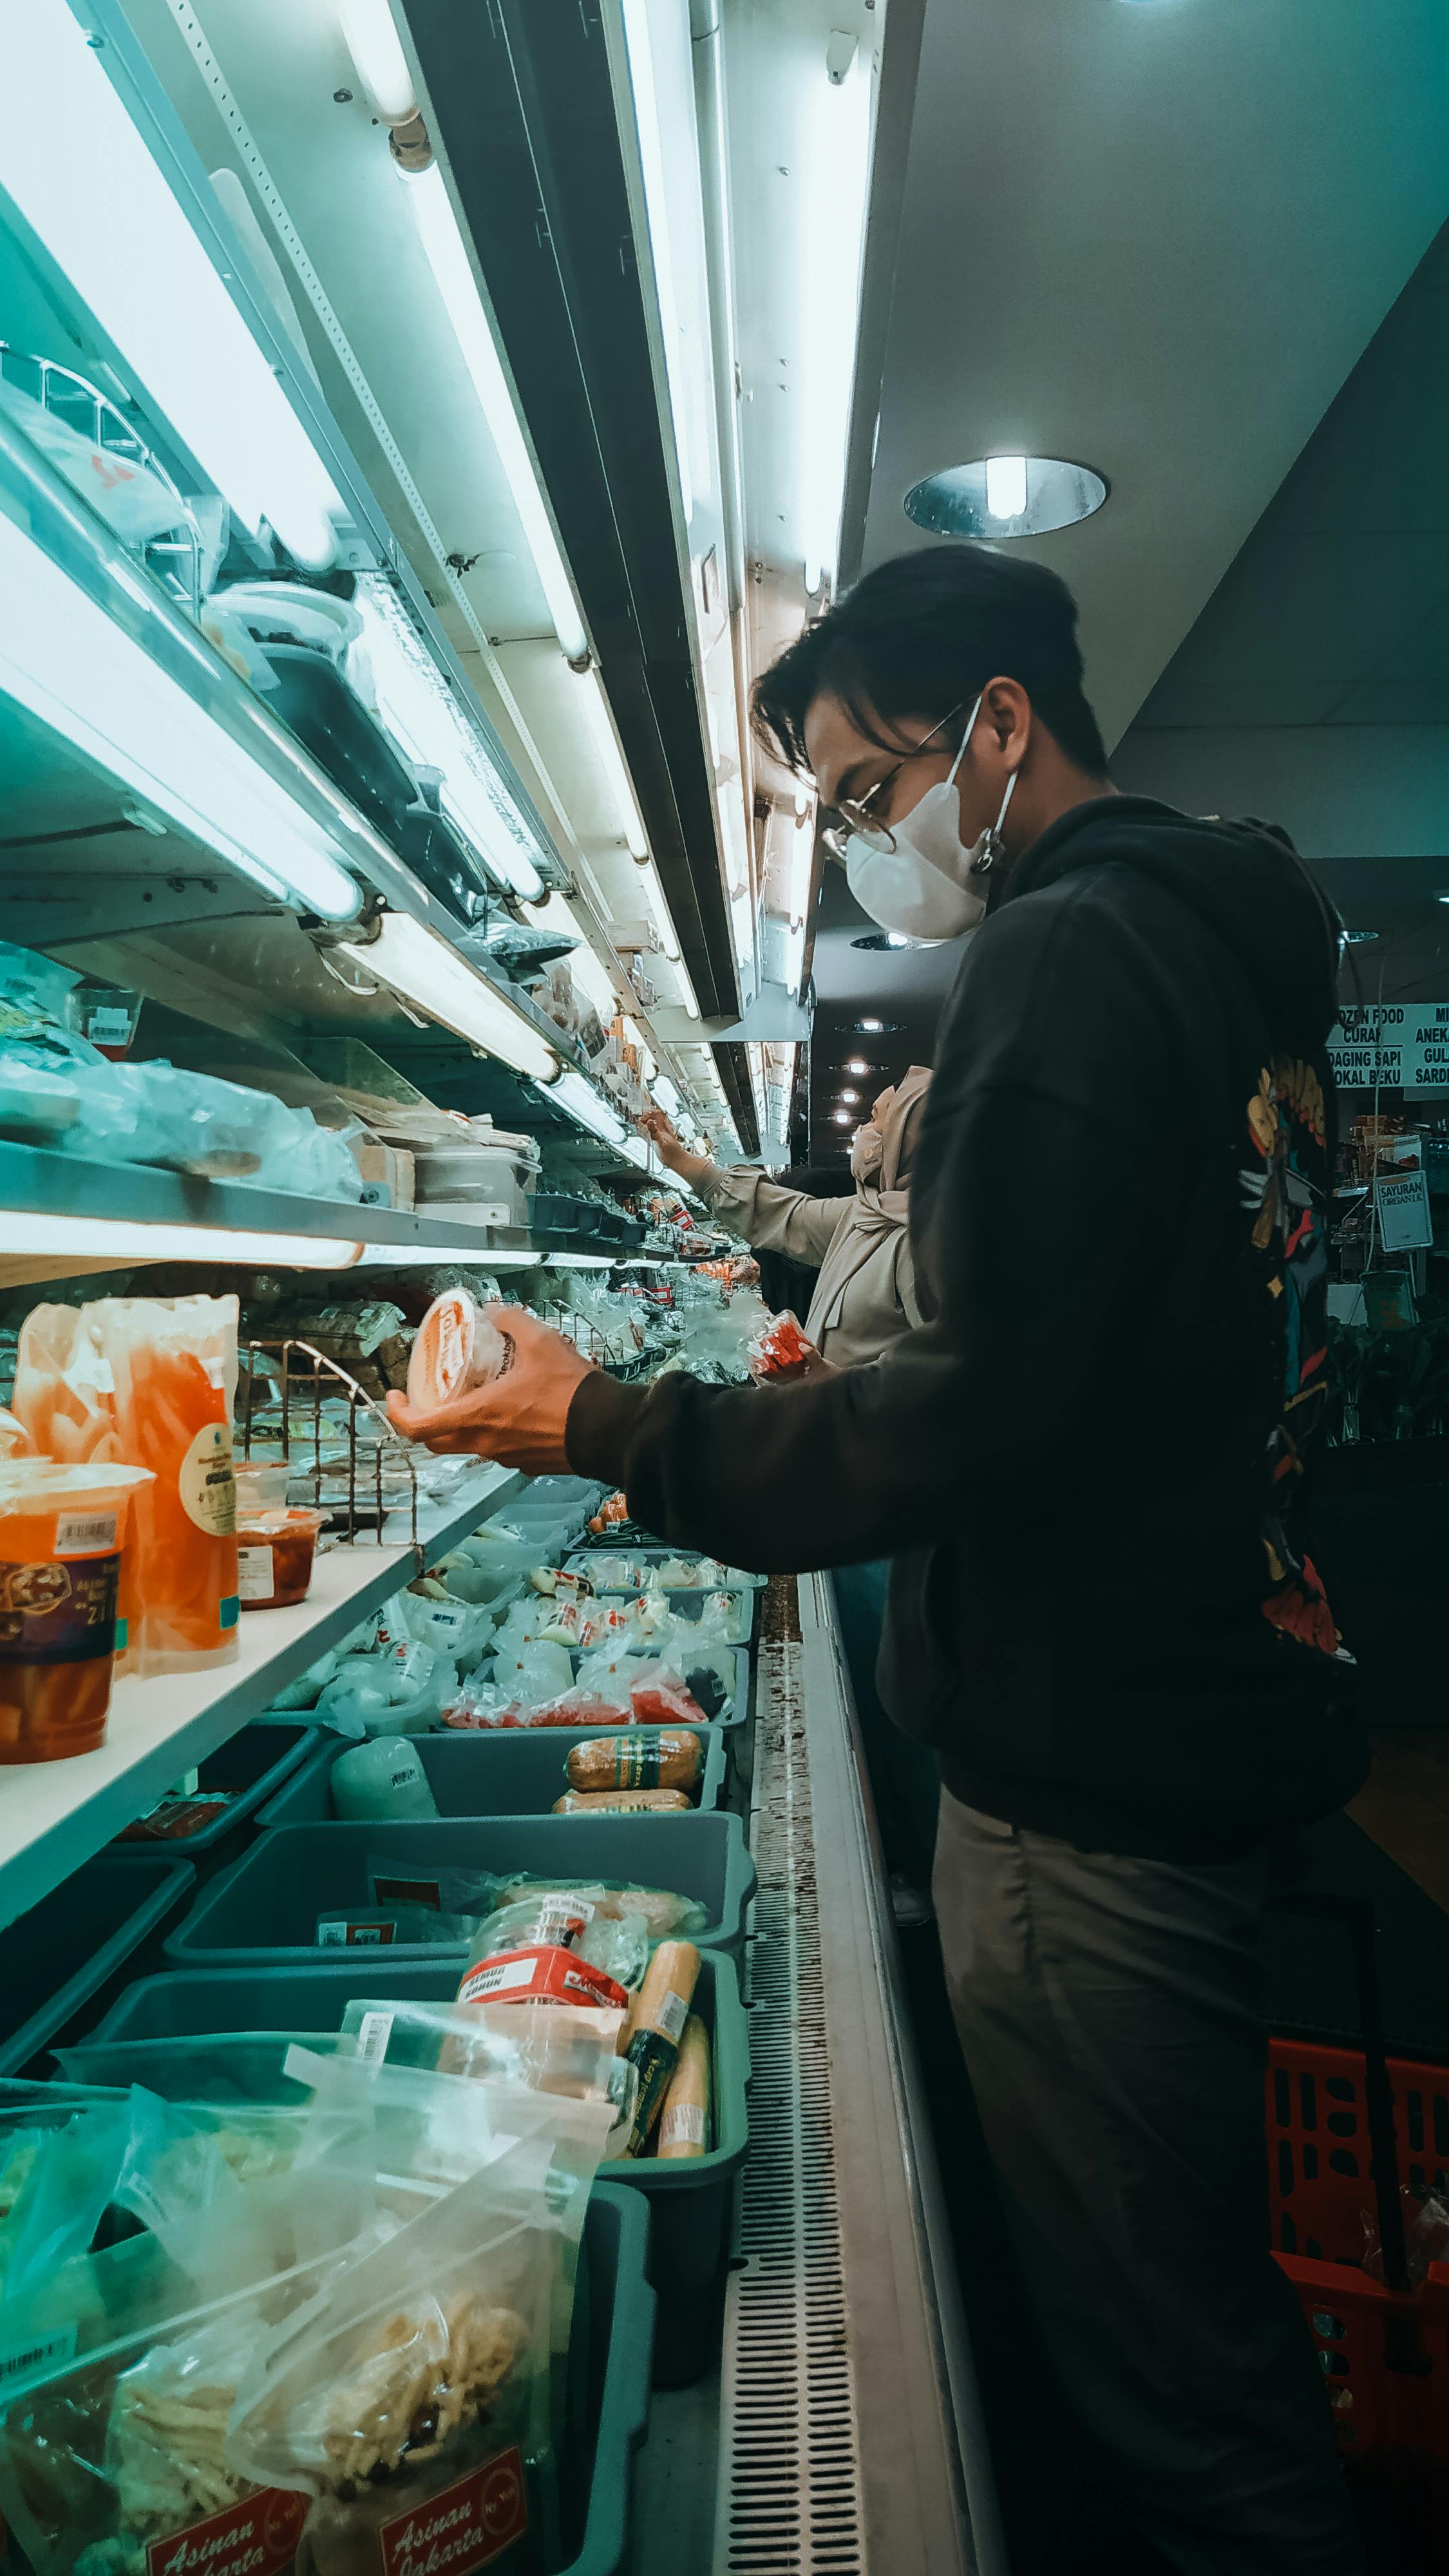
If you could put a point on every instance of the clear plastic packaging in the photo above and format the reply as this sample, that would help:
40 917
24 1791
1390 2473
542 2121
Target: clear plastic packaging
400 1691
381 1779
781 1348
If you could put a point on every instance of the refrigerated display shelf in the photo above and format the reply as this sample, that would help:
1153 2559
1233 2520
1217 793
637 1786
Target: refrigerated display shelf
36 1182
54 1815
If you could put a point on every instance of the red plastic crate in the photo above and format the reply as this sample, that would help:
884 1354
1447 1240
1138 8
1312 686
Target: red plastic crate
1385 2353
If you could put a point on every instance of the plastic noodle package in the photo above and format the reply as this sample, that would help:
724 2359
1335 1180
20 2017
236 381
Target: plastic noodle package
458 1630
401 1690
416 2403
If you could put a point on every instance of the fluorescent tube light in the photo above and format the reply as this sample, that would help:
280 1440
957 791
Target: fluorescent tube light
420 966
83 179
378 58
447 255
71 665
587 1107
606 743
832 195
1006 486
112 1238
420 711
656 200
477 1255
577 1261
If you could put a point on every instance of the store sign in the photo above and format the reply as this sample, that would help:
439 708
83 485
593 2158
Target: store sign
1405 1224
1403 1045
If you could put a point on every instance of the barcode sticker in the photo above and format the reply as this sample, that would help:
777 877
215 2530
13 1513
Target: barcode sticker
683 2126
76 1535
346 1933
108 1028
672 2015
373 2033
19 2358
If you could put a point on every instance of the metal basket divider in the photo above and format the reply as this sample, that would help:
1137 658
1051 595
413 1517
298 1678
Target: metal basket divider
321 1369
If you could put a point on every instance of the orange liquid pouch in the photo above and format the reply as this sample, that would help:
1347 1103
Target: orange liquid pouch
173 1361
63 1534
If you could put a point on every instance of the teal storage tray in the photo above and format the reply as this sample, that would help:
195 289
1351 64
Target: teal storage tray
66 1958
610 2368
263 1910
736 1578
690 2199
256 1761
509 1771
688 1603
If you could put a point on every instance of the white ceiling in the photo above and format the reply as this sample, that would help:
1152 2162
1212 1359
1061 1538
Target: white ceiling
1153 236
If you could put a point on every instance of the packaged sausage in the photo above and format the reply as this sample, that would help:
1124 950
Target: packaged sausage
684 2120
657 2029
63 1541
622 1802
669 1757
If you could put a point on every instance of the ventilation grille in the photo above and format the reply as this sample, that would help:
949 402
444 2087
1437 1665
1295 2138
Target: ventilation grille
789 2485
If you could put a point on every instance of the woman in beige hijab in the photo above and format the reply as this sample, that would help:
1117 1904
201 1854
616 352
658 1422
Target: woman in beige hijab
865 1294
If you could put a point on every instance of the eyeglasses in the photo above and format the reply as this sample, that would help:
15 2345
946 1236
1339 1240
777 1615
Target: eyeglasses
858 822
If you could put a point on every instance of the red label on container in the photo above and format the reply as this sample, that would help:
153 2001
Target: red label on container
540 1974
258 2538
470 2523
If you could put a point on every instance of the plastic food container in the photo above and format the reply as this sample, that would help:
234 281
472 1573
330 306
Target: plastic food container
210 1824
62 1534
261 1486
456 1349
688 2200
274 1552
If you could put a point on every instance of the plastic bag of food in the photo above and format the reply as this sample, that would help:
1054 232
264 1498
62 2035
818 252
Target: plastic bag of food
458 1630
173 1361
781 1348
400 1690
193 1122
67 1576
394 1927
669 1757
59 2167
535 2045
665 1914
15 1440
555 1949
396 1880
417 2401
65 1391
662 1697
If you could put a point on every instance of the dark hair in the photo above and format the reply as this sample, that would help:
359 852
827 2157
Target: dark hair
924 632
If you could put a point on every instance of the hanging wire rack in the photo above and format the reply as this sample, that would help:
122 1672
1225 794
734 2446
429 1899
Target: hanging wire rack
176 556
288 1382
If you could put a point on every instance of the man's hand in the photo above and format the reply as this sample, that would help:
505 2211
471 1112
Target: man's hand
520 1418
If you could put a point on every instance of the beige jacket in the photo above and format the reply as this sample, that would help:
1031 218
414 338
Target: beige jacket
877 1302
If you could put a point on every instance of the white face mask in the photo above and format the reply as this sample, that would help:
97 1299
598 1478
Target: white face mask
928 886
867 1150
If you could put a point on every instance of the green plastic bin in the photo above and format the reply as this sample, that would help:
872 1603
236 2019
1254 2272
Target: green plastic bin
690 2199
65 1959
508 1771
263 1910
255 1762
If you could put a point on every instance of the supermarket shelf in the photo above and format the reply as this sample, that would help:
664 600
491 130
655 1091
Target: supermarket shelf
51 1184
54 1815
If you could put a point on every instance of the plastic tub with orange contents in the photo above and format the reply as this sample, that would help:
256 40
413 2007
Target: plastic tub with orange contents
456 1349
63 1531
274 1552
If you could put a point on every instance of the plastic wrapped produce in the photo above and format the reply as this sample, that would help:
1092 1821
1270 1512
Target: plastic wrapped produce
382 1778
457 1348
782 1348
63 1544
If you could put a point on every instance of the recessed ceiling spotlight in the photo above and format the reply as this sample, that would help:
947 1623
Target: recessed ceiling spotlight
857 1064
842 1117
851 1097
877 1028
1006 496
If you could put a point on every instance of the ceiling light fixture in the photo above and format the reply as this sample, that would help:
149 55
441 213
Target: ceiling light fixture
447 256
857 1064
833 170
842 1118
851 1098
83 179
81 673
378 58
587 1107
1006 496
426 971
606 743
419 709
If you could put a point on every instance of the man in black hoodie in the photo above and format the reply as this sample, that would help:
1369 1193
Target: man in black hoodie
1084 1465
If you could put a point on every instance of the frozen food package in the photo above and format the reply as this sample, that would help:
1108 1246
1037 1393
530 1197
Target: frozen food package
381 1778
781 1348
174 1363
667 1757
65 1537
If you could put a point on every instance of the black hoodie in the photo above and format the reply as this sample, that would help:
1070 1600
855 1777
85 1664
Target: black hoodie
1085 1463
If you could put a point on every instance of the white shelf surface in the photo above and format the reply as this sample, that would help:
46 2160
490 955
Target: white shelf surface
54 1815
